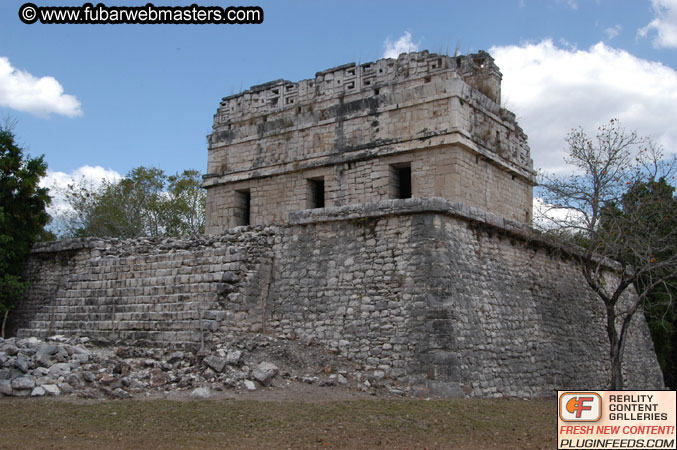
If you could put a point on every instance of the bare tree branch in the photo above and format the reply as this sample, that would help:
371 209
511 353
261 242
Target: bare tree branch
619 204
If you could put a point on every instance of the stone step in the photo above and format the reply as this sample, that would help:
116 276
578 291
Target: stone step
173 337
98 324
134 314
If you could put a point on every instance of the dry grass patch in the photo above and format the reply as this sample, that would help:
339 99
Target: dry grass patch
246 424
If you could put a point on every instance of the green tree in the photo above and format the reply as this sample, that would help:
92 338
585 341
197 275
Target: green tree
185 204
662 319
22 216
613 209
652 208
145 202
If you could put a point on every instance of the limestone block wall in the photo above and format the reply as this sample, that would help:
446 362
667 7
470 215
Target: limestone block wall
157 291
48 273
350 122
450 298
441 295
417 95
447 171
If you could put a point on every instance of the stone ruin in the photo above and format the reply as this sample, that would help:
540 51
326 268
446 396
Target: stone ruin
379 212
420 126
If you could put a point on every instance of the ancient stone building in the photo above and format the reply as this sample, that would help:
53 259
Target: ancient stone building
449 291
423 125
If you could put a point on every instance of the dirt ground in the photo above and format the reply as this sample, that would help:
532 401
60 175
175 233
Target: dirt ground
288 416
301 410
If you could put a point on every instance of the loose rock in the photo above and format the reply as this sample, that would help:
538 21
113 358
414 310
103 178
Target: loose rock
215 363
121 393
121 372
51 389
38 391
201 393
5 387
22 383
59 369
265 372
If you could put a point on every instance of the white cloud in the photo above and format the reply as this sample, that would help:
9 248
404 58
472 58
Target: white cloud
612 32
665 24
403 45
58 182
553 90
39 96
548 217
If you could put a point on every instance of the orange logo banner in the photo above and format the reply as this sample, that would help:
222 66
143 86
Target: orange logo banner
616 419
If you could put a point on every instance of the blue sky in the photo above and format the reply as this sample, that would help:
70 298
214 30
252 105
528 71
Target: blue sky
101 99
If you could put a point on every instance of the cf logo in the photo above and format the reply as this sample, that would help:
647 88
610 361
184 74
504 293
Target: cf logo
580 407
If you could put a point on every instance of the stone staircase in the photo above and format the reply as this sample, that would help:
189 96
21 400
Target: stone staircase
172 294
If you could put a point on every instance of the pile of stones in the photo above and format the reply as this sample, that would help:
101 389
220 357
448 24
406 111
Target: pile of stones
74 365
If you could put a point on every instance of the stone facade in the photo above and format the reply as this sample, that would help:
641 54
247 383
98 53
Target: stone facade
436 294
422 125
389 207
145 291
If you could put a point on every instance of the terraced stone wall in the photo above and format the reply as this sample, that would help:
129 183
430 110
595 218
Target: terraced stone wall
451 299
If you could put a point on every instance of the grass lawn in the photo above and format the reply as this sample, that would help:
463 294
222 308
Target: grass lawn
248 424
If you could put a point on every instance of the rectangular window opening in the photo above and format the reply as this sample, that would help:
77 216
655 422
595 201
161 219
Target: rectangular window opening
400 180
315 193
243 208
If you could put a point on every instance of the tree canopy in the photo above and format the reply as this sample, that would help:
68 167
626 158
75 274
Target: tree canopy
650 209
22 216
146 202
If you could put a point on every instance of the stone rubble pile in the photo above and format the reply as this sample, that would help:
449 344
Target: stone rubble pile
73 365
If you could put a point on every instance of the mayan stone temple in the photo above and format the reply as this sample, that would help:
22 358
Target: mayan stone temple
422 126
378 212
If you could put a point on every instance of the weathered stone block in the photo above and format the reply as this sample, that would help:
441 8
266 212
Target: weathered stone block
215 363
5 387
22 383
265 372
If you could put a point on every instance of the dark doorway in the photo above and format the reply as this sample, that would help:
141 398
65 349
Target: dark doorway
315 193
243 208
400 180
